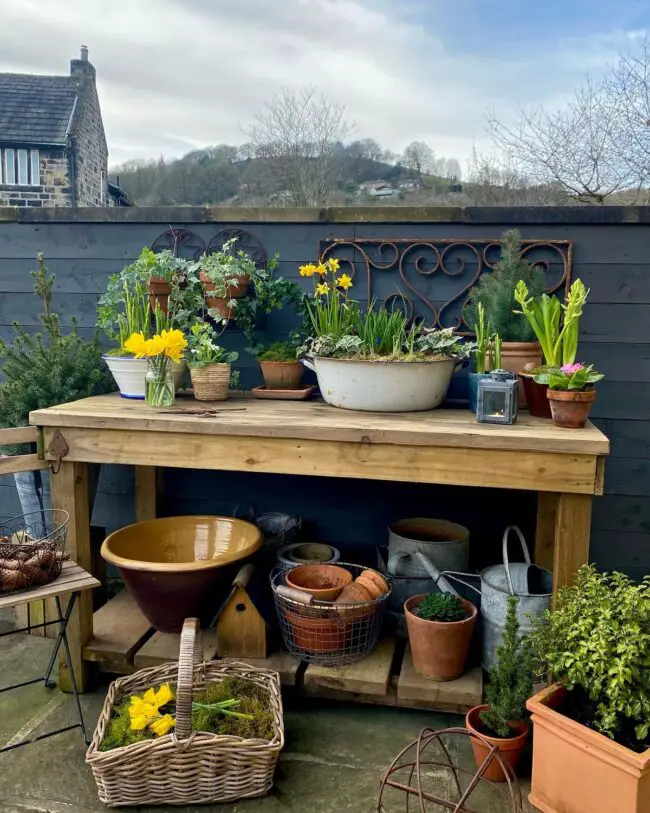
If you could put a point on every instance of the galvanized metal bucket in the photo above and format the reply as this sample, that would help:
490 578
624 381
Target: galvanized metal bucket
500 581
445 544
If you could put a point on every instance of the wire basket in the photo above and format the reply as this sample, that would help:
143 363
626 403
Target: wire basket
327 633
32 549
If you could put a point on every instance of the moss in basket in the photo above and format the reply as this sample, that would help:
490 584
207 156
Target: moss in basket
441 607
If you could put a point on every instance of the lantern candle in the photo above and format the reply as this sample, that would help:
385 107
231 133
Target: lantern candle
497 398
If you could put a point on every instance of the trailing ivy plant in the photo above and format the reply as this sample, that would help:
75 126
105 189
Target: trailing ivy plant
49 367
511 678
596 641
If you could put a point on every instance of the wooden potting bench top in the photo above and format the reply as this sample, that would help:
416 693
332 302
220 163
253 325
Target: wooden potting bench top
446 447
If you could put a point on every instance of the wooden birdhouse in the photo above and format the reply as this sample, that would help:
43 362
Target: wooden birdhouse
242 631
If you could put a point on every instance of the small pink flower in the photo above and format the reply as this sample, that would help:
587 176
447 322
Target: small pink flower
570 369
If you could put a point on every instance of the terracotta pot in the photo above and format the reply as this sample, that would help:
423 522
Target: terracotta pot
355 594
282 375
579 770
324 582
515 356
220 305
538 404
317 634
570 409
373 582
159 291
439 648
240 288
510 748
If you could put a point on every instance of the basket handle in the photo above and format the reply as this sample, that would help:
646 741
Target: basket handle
506 561
191 652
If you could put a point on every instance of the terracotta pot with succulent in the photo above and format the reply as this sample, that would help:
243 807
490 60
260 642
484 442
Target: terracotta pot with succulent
502 721
440 627
375 360
495 291
280 366
210 364
557 327
591 743
570 392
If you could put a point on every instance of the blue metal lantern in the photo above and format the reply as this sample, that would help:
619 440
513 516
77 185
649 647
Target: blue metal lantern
497 398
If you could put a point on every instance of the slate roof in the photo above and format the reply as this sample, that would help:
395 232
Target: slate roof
36 109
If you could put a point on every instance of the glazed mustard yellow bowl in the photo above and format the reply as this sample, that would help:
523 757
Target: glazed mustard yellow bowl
180 567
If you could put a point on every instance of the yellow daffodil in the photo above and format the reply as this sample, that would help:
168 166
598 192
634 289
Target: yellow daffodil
321 269
174 343
163 725
154 346
322 288
344 281
307 270
136 344
334 264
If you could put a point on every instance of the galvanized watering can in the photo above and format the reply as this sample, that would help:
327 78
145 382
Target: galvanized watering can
533 585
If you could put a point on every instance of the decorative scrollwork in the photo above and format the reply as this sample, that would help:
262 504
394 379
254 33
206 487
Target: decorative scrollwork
246 242
181 242
431 279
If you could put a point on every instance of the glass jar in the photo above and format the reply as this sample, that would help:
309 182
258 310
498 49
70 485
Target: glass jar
159 390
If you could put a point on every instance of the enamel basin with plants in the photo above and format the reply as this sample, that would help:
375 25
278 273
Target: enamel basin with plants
210 364
561 388
591 743
374 360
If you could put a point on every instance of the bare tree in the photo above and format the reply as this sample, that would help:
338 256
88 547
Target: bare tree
419 158
494 180
298 134
579 147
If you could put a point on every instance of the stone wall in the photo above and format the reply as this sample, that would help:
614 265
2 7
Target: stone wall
55 189
90 150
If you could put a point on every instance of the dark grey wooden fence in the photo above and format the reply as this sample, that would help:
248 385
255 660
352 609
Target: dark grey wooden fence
608 251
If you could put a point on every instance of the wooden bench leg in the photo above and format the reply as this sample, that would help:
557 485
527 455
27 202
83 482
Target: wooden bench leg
572 533
147 482
545 531
70 493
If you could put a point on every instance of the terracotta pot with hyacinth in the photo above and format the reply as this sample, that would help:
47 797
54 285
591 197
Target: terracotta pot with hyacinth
160 350
570 392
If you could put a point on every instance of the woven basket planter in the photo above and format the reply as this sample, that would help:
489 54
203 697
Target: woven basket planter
211 382
186 767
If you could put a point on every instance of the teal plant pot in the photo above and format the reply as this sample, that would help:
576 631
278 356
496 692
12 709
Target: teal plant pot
473 379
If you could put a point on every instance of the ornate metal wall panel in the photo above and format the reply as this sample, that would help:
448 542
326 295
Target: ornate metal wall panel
431 279
187 244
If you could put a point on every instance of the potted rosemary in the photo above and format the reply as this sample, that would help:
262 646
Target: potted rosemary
374 360
210 364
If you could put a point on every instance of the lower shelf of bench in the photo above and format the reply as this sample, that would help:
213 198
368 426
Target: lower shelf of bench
124 642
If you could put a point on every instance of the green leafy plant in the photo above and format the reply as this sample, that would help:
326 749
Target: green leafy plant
596 641
441 607
271 294
495 291
279 351
544 313
482 332
163 265
495 352
204 348
50 367
511 679
576 376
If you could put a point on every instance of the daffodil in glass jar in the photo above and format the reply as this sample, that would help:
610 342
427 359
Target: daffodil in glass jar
160 350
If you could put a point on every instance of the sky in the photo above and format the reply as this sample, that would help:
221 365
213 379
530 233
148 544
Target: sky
176 75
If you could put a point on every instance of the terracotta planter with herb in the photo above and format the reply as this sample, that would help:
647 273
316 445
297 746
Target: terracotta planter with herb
536 396
282 375
570 408
510 748
580 770
439 648
159 291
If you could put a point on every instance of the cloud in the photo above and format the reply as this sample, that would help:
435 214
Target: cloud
174 75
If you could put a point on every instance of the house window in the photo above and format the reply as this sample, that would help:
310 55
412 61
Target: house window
22 167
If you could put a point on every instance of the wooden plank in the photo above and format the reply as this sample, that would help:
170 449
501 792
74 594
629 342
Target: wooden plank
19 434
572 532
119 629
369 676
248 417
495 468
282 662
146 493
451 695
164 647
22 462
545 529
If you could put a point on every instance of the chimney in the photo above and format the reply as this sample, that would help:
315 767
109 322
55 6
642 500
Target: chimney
82 67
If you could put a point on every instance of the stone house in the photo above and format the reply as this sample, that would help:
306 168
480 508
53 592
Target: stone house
53 148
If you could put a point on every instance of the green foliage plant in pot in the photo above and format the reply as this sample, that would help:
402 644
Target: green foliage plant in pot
226 275
280 366
374 360
502 721
440 627
495 291
591 744
164 271
45 369
557 328
487 354
210 363
571 392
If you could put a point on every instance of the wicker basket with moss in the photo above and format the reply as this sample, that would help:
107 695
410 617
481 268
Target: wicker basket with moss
192 733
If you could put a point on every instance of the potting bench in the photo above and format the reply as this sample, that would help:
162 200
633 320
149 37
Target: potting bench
564 466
